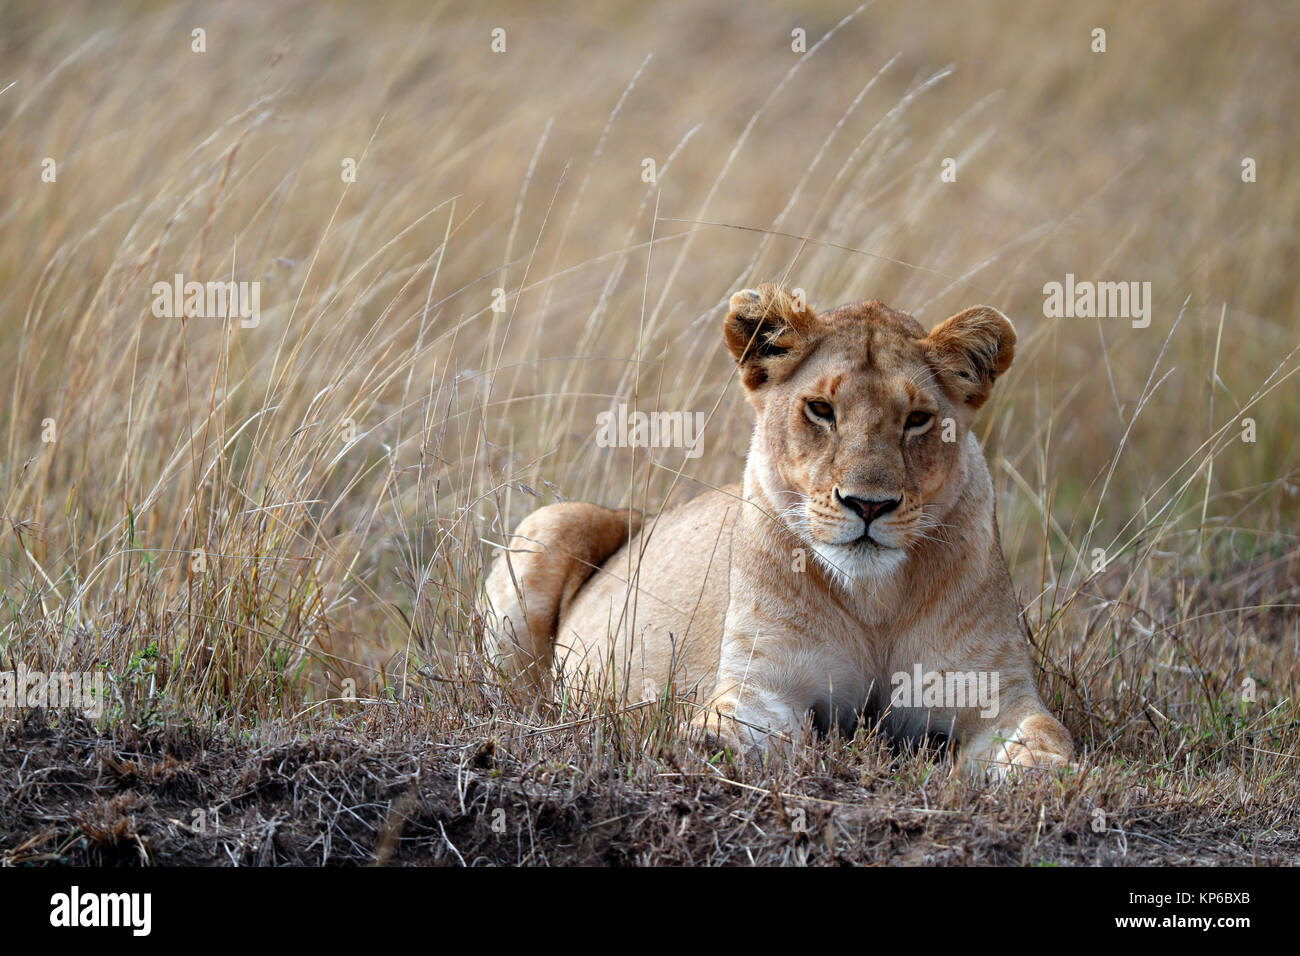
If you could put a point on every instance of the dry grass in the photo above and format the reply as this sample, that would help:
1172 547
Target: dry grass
340 464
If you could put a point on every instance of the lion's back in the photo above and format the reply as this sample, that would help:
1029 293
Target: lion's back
670 626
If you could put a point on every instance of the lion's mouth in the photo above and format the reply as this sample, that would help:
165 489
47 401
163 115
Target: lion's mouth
868 543
863 542
862 559
872 539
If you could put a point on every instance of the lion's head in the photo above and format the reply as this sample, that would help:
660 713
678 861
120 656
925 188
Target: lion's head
863 419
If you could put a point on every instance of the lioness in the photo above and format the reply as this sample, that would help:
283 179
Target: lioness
860 554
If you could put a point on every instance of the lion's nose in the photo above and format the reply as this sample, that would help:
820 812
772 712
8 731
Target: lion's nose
868 509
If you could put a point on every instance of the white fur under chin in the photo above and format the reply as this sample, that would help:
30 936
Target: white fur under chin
852 566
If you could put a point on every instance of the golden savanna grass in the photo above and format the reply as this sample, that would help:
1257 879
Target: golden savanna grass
344 466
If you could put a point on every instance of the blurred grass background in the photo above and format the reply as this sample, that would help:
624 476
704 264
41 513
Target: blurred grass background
339 465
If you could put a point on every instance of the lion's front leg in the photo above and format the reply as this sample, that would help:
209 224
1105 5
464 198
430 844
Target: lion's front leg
750 727
1025 736
981 693
752 711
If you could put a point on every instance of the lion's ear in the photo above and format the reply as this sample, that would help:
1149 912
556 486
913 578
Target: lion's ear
970 350
767 328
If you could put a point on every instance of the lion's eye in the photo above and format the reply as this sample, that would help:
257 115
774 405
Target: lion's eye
822 410
918 420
